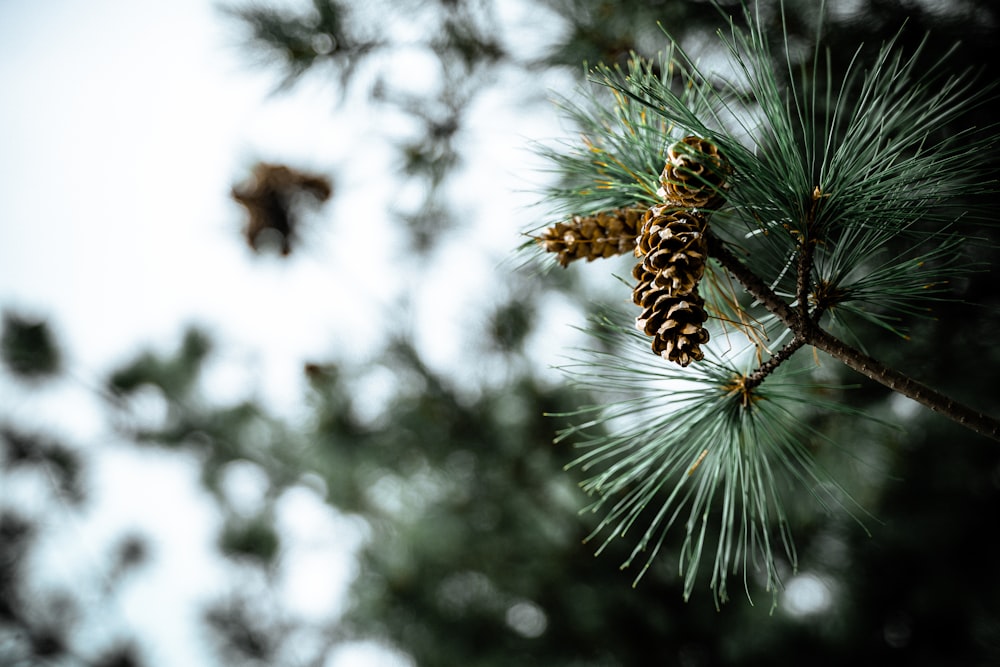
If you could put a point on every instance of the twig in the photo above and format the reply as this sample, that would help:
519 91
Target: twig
768 366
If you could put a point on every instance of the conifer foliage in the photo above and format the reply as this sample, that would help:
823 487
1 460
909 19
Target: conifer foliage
771 220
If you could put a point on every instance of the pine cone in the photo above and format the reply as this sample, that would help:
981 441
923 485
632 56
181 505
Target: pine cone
673 248
695 174
674 322
591 237
271 198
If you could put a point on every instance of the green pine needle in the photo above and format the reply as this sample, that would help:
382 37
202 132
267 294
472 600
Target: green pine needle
687 450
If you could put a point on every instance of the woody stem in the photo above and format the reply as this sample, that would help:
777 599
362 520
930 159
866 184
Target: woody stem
807 330
775 360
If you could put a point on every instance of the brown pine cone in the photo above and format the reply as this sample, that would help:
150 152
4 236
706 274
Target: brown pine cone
673 247
272 197
591 237
674 322
695 174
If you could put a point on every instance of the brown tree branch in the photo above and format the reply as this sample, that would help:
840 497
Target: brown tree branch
809 332
972 419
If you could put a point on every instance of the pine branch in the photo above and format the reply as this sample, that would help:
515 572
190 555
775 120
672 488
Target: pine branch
833 198
970 418
809 332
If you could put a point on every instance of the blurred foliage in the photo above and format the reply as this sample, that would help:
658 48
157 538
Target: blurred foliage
472 552
321 33
245 630
175 377
27 347
23 450
254 538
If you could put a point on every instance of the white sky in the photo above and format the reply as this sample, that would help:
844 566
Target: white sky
122 128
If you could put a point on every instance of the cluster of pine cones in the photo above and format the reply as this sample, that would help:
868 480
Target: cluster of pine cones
669 240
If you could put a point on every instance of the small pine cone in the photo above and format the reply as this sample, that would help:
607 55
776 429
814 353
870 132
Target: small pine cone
272 197
673 247
591 237
695 175
674 322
